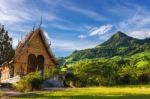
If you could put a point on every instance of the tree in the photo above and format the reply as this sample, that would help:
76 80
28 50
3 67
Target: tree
94 72
6 49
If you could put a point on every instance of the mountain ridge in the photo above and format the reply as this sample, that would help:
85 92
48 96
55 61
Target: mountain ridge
118 44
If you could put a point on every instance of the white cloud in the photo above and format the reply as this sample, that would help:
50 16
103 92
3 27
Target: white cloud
19 17
101 30
16 39
82 36
15 42
18 12
14 11
141 34
137 23
69 45
137 26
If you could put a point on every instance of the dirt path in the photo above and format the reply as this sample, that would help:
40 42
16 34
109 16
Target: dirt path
7 93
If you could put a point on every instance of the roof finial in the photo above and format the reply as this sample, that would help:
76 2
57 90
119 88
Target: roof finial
40 22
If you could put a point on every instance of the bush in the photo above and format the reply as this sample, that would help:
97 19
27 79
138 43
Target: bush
33 81
49 73
30 82
93 72
124 79
82 81
144 78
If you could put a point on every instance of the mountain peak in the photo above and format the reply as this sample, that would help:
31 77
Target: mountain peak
119 44
119 38
119 35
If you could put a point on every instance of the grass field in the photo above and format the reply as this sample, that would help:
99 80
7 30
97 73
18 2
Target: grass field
130 92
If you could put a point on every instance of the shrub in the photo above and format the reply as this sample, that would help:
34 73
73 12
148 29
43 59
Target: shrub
49 73
93 72
30 82
33 81
123 79
144 78
81 82
70 79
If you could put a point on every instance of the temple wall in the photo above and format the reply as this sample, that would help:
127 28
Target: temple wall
36 47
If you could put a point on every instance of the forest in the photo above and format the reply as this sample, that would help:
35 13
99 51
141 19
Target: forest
121 60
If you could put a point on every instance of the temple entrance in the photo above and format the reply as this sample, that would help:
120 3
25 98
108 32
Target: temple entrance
35 63
40 64
32 63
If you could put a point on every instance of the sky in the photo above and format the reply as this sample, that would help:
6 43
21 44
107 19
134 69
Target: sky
75 24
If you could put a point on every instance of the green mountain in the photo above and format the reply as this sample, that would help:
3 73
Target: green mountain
119 60
119 44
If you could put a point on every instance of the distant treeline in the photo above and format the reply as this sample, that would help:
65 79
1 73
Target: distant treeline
112 71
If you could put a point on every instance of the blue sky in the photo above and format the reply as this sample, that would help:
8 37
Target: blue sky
76 24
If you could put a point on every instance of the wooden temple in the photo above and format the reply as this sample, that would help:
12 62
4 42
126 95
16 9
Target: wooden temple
32 53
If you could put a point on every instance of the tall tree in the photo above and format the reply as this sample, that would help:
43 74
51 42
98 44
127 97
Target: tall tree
6 49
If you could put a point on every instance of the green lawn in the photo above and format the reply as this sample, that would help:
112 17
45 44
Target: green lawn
138 92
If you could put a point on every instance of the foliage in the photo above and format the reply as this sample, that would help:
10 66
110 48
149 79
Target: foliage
119 44
61 61
144 78
34 80
119 60
111 71
30 82
49 73
93 72
70 79
6 49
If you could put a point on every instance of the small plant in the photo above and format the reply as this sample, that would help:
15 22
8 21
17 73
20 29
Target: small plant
123 79
144 78
48 73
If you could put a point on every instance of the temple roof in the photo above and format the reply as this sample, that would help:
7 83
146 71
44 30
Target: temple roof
22 44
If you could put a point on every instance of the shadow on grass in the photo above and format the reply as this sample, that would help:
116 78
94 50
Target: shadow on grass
41 96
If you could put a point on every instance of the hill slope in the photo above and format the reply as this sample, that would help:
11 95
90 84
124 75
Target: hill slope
119 44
